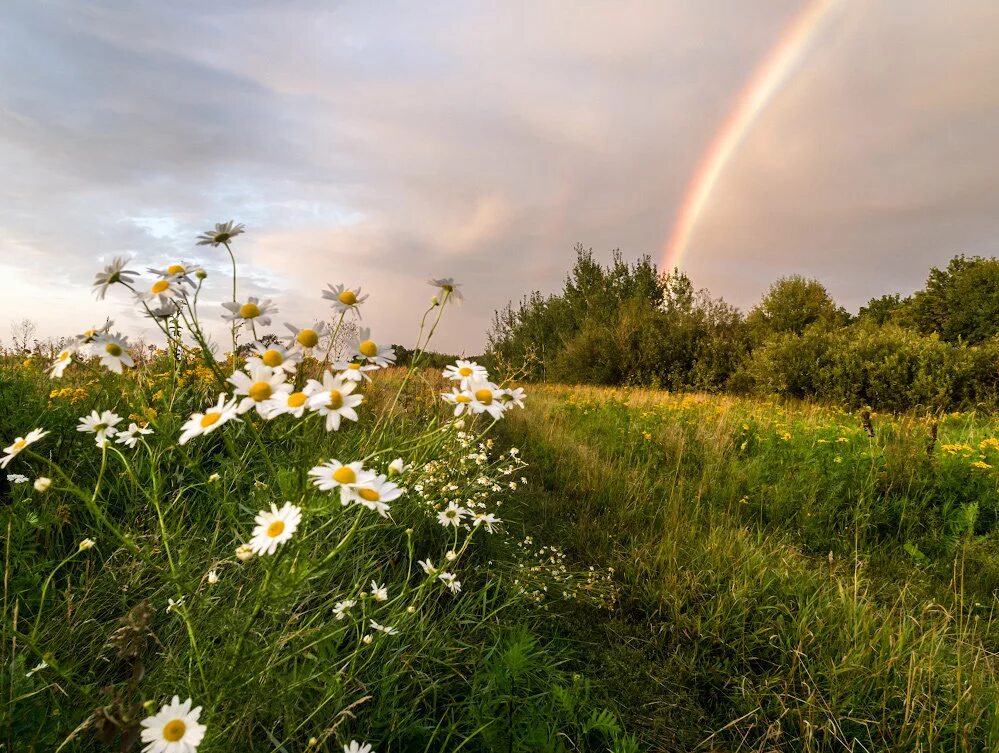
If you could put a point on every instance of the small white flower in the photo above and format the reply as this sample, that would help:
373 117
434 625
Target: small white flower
254 310
397 467
307 338
42 484
257 387
383 628
355 747
334 474
344 299
373 494
451 555
113 352
101 425
173 729
244 552
448 289
379 592
276 356
367 639
16 478
112 273
88 337
180 270
210 420
332 398
164 291
64 359
19 444
37 668
486 519
275 527
87 544
461 399
341 608
213 478
452 515
464 372
222 234
355 371
213 577
449 580
514 396
367 349
173 606
292 403
428 567
130 436
486 398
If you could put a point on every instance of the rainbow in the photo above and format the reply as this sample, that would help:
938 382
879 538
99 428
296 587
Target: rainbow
766 81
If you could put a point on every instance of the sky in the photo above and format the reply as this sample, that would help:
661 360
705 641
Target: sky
380 143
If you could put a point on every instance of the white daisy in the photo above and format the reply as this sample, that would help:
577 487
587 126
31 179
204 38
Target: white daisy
223 233
307 338
164 310
93 333
17 478
181 271
101 425
42 484
112 273
19 444
130 436
345 299
452 515
253 310
173 729
486 519
374 494
428 567
335 474
293 403
257 387
383 628
460 399
163 291
274 527
448 289
465 371
332 398
341 608
213 577
276 356
113 352
486 398
451 581
513 396
210 420
355 371
379 592
364 347
64 359
397 467
355 747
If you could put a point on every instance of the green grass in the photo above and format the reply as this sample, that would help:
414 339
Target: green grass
787 582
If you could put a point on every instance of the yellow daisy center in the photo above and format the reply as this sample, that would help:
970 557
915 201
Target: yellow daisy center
159 286
463 399
64 356
344 475
348 298
249 310
174 730
176 269
20 444
484 396
368 348
465 371
354 366
209 418
113 349
275 529
260 391
336 400
297 399
272 358
308 338
369 495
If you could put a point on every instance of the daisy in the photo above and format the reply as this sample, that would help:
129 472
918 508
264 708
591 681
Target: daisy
257 387
17 478
222 234
293 403
465 371
174 729
42 484
514 396
355 747
345 299
332 399
19 444
276 356
210 420
428 567
181 271
451 581
307 338
335 474
254 310
448 289
366 348
486 519
163 291
383 628
341 608
452 515
355 371
113 352
460 399
379 592
486 398
374 494
274 527
213 577
101 425
165 310
64 359
93 333
397 467
130 436
113 272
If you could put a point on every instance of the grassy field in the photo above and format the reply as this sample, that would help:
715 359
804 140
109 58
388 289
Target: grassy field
791 578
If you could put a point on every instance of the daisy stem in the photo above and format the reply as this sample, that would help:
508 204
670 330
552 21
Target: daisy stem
233 258
329 346
346 539
253 616
194 644
263 448
45 588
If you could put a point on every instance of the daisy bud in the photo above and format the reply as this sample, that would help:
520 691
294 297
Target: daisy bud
213 577
434 301
213 478
367 639
42 484
451 555
150 706
396 467
87 544
244 552
411 609
200 274
313 741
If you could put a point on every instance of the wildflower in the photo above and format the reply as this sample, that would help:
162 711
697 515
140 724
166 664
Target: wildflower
275 527
112 273
449 580
173 606
332 399
373 494
244 552
164 310
461 400
341 608
486 398
365 348
981 464
174 729
210 420
64 359
465 371
113 352
307 338
428 567
379 592
130 436
213 577
451 555
514 396
275 356
213 478
92 334
344 299
101 425
42 484
253 310
452 515
397 467
87 544
163 291
335 474
258 386
178 270
355 371
448 289
222 234
383 628
367 639
293 403
19 444
355 747
16 478
486 519
37 668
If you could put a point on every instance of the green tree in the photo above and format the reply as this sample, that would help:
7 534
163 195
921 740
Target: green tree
960 303
791 305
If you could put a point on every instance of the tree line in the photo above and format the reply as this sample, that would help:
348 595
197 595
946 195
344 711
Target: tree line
627 323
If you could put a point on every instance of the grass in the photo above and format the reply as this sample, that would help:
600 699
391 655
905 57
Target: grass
788 581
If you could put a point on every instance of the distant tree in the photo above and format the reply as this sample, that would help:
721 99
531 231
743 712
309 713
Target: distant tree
791 305
960 303
881 310
22 332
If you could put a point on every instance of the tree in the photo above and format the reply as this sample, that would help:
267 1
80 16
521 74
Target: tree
960 303
791 305
881 310
21 333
